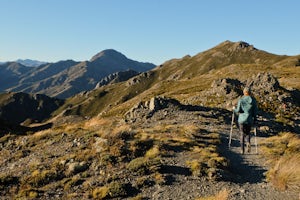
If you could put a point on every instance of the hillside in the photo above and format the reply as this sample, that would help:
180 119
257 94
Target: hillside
184 79
27 108
10 73
163 134
67 78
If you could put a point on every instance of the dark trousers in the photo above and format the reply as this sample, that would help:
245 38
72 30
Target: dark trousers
245 134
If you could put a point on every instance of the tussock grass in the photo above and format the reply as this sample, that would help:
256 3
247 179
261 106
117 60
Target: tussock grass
283 144
283 155
153 152
206 160
100 193
96 123
113 190
143 166
222 195
286 173
39 178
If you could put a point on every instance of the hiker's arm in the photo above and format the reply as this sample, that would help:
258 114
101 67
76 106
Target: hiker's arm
237 109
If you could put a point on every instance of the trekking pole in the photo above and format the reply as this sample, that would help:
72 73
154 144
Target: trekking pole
231 129
255 140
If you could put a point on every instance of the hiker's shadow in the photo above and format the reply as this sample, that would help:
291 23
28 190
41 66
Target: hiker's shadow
238 170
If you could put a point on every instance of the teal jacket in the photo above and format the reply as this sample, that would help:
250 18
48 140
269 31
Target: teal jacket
246 110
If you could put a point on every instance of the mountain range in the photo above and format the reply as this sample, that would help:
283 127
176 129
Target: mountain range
185 78
27 62
164 133
66 78
92 89
30 63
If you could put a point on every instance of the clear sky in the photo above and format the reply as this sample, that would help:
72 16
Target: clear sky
143 30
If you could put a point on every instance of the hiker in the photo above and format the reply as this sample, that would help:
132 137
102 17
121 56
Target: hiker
246 111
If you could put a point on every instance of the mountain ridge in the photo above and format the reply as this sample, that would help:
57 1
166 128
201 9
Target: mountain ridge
66 78
184 78
30 62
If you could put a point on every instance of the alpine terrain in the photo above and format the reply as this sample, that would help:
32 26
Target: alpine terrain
114 128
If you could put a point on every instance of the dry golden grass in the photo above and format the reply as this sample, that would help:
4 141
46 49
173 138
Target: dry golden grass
222 195
283 144
283 155
100 193
159 178
286 173
153 152
96 123
175 134
42 134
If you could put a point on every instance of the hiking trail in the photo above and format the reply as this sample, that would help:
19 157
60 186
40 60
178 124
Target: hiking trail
245 178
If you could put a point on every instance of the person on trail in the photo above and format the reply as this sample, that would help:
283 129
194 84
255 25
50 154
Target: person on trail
246 110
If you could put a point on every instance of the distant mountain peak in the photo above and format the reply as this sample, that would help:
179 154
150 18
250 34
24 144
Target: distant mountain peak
111 53
30 63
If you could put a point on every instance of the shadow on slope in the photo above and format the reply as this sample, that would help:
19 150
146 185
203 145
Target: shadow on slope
240 171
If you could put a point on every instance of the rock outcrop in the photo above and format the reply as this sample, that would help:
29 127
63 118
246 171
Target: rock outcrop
144 110
116 77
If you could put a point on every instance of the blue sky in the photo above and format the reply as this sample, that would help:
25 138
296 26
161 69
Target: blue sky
144 30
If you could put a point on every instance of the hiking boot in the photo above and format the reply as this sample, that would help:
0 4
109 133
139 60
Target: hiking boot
248 147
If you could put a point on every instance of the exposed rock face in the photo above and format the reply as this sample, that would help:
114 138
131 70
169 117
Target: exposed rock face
139 78
263 82
228 87
116 77
267 88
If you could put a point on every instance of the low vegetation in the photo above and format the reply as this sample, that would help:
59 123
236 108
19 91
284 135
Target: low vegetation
222 195
98 156
283 155
92 153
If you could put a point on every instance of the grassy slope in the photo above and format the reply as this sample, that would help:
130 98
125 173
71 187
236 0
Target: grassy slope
186 77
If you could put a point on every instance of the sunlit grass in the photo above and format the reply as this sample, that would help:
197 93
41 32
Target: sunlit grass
283 154
222 195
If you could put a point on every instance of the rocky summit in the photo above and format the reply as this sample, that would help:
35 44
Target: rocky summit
166 133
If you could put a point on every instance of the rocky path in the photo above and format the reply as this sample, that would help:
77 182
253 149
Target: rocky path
245 179
248 173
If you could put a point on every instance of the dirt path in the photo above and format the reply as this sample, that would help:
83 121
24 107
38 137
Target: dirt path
248 173
245 179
